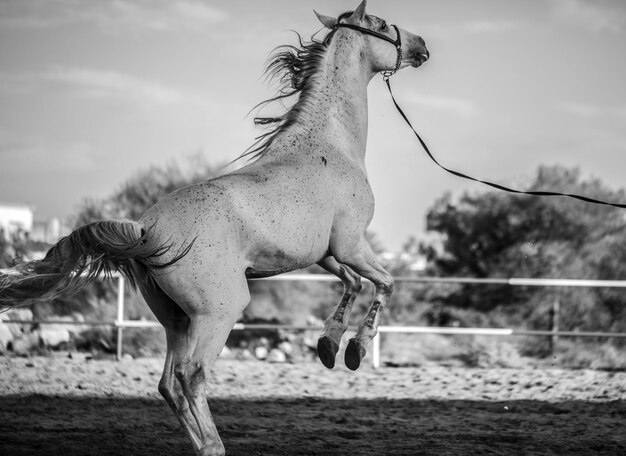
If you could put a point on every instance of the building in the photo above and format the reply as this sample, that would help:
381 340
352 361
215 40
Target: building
48 231
15 220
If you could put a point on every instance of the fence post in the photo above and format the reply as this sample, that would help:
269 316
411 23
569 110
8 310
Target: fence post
376 350
120 316
555 323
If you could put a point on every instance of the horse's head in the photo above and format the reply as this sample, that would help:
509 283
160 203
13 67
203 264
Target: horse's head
410 49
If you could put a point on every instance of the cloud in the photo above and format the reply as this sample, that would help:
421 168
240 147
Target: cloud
596 16
112 16
100 84
580 110
112 84
16 83
489 26
28 156
589 111
455 106
485 26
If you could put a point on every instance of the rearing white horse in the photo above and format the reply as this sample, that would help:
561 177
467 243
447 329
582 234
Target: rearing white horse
304 199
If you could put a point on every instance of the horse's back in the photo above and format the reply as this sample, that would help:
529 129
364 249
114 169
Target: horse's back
242 217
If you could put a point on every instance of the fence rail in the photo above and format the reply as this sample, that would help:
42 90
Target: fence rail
120 323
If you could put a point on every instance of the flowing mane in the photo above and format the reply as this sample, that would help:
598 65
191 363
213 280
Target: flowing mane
295 68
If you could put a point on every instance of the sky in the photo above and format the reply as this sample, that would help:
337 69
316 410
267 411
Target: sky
91 92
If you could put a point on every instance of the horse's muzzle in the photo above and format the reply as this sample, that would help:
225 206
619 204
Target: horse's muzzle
417 53
418 58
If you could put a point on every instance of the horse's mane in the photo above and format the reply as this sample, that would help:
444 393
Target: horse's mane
295 68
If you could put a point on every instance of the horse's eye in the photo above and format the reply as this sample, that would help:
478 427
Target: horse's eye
383 26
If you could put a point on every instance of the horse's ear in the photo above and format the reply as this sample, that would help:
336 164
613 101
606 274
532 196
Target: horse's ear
359 12
328 21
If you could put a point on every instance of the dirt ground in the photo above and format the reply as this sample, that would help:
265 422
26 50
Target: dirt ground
63 406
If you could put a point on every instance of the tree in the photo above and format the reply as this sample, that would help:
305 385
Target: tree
145 188
496 234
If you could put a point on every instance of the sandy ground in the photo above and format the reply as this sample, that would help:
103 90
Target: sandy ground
62 406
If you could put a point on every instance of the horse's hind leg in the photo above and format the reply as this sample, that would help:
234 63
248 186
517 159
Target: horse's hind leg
172 392
204 338
192 372
175 322
337 323
362 259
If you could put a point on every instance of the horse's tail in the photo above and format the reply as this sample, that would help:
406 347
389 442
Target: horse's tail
90 251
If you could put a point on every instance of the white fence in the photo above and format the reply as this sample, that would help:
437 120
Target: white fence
120 323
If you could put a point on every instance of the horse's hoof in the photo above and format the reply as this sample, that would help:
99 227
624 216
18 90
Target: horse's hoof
212 449
354 354
327 351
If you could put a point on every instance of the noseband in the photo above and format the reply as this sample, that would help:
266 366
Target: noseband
397 43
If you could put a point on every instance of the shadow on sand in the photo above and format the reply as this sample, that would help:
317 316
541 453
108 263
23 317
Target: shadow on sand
44 425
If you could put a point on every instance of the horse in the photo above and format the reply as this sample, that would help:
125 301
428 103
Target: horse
303 198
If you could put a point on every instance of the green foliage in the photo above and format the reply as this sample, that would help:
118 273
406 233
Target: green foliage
495 234
10 250
589 354
16 248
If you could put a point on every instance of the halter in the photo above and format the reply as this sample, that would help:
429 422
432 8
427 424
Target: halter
397 43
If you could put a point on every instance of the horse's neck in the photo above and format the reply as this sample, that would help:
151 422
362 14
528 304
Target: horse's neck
342 90
336 111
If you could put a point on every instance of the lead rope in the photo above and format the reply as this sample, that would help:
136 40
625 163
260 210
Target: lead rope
490 184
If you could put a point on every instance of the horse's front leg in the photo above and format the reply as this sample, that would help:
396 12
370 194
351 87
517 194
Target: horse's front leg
363 261
337 323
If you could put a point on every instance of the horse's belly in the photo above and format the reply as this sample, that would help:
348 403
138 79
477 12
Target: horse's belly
287 245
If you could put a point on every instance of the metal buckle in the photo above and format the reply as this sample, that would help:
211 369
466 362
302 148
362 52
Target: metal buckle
388 73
